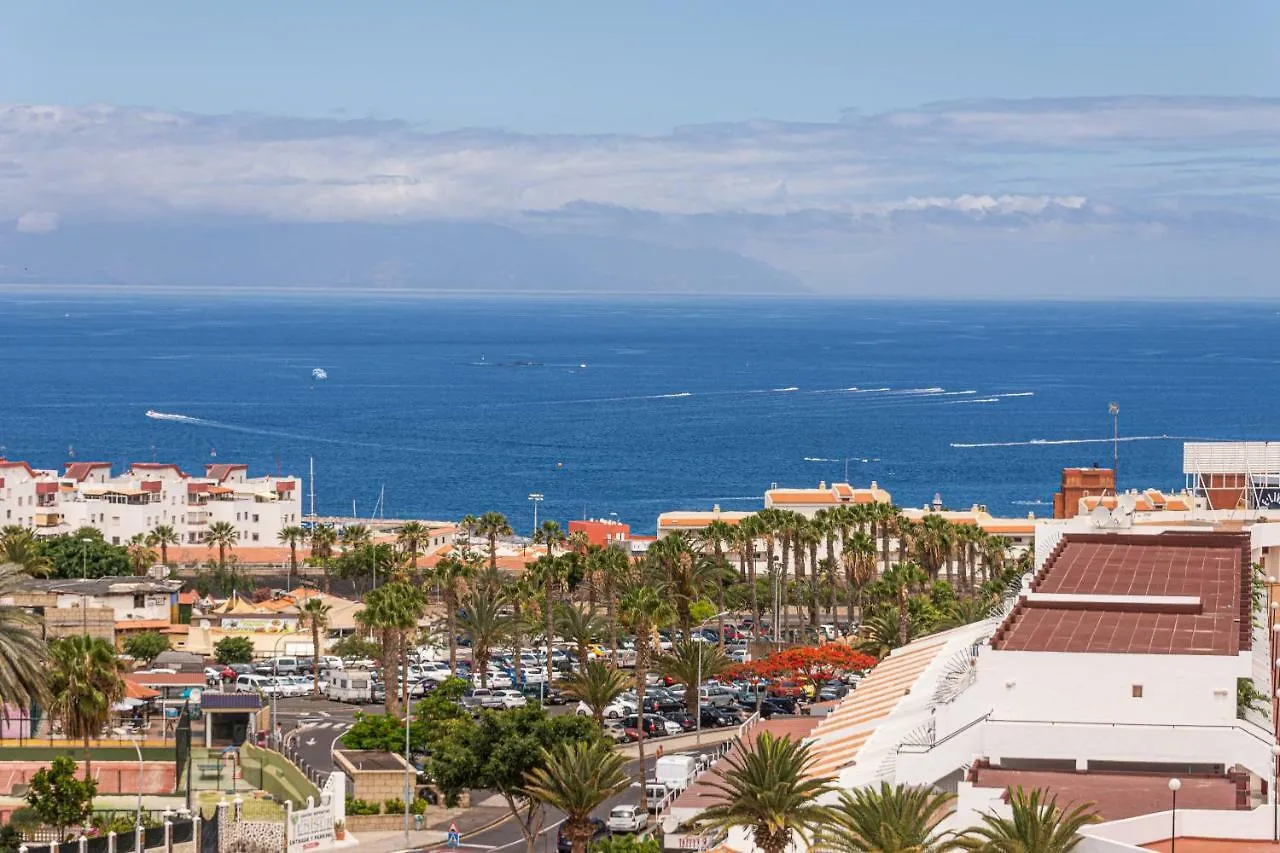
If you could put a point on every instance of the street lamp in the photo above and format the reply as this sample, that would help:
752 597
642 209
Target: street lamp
697 688
84 597
1113 409
536 498
1275 795
136 739
1174 785
408 771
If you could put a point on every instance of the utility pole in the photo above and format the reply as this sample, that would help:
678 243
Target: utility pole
1114 410
536 498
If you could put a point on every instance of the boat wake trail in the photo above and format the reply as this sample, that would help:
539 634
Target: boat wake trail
1016 394
819 459
979 400
785 390
279 433
1038 442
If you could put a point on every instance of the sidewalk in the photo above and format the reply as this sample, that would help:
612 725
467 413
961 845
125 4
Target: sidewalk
679 743
392 842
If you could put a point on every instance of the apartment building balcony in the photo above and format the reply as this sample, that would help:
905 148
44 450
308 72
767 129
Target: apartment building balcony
47 519
197 518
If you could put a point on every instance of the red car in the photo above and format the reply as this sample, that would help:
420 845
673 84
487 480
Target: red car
786 690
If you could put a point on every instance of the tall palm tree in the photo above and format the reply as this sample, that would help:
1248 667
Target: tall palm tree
885 519
315 614
162 536
749 530
548 572
995 554
579 625
551 535
767 788
609 565
140 554
486 624
889 819
880 633
1038 825
223 536
901 581
691 663
356 535
934 543
492 525
644 608
811 535
576 778
450 575
323 538
379 614
522 594
578 542
85 682
291 535
19 546
597 685
23 653
860 568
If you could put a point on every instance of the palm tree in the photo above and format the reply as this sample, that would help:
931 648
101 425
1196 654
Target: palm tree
575 779
965 611
355 535
934 543
1038 825
609 564
644 607
522 593
23 653
579 625
18 546
900 581
323 538
450 574
315 613
85 682
879 634
551 535
162 536
291 535
691 663
597 684
411 537
811 535
749 530
492 525
889 819
859 566
548 572
223 536
995 553
486 624
139 554
382 613
767 788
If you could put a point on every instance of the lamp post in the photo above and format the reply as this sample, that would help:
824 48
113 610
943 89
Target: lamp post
136 740
1113 409
408 771
1174 785
697 688
84 570
536 498
1275 795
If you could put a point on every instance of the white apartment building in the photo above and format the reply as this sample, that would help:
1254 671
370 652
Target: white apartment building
148 494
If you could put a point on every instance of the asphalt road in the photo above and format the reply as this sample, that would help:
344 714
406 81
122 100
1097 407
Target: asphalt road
310 728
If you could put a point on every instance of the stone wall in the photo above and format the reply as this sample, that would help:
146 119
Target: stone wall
357 824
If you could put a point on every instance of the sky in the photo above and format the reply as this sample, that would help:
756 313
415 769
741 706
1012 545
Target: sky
833 140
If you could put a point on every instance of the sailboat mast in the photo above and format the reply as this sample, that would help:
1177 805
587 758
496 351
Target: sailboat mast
311 478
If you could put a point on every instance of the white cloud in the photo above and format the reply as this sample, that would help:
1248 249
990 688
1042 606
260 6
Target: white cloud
970 163
37 222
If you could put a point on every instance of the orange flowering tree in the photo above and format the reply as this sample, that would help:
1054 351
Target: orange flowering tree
810 663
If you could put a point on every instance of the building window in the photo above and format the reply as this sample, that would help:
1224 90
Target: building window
255 519
1137 691
139 602
115 540
255 537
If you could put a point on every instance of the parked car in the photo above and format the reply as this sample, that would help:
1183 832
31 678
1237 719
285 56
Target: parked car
657 795
277 666
786 689
511 698
615 710
832 691
627 819
218 673
252 683
683 719
655 725
716 718
599 831
481 697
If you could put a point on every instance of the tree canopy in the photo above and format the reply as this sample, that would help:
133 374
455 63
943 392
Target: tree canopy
233 650
59 798
146 646
70 556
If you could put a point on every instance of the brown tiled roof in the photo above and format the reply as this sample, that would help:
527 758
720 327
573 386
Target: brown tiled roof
1115 795
1140 574
80 470
221 470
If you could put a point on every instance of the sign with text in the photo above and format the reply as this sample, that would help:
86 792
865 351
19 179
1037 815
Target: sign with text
311 829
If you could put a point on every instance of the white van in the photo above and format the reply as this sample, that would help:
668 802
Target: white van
252 683
676 772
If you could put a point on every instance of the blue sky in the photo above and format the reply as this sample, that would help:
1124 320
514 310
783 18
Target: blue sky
586 67
847 144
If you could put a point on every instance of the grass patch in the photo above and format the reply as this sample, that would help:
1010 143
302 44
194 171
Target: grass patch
252 809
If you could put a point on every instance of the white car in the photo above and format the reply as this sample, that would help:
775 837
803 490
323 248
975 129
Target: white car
615 710
627 819
499 678
511 698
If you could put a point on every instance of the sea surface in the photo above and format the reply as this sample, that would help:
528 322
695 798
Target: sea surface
447 406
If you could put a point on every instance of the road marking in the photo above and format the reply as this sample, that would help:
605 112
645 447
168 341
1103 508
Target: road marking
521 839
325 714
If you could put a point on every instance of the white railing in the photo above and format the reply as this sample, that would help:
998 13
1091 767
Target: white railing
748 724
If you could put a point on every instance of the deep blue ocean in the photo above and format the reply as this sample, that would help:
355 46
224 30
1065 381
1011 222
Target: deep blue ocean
632 407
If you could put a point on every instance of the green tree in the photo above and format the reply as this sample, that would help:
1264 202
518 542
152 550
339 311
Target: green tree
768 790
314 613
688 660
435 717
597 684
162 536
23 654
59 798
411 537
491 525
576 778
19 546
355 646
487 625
644 608
231 650
498 750
146 646
1038 825
579 625
141 555
85 683
627 843
323 538
84 553
223 536
551 573
450 575
889 819
291 535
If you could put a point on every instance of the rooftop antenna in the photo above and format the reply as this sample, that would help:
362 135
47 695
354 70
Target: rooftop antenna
1113 409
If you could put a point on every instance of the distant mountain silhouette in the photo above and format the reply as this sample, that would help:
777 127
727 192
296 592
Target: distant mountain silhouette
455 256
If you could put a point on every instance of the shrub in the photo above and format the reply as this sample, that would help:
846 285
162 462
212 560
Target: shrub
418 806
357 806
395 805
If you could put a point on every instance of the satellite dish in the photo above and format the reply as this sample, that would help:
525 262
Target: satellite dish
1113 519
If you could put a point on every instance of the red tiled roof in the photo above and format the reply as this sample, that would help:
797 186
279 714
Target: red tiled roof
167 679
221 470
1115 795
16 464
157 466
188 596
79 471
1140 573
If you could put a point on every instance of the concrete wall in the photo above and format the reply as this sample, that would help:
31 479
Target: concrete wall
1125 836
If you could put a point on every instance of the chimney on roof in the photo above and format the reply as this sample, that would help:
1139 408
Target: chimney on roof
715 507
822 484
874 484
